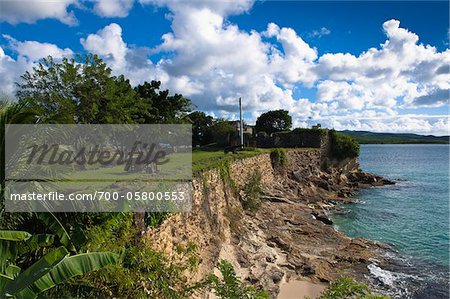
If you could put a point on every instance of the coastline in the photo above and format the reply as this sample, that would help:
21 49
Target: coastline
289 237
303 241
410 216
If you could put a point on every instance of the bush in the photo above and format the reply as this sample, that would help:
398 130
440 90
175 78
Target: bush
229 286
252 191
343 146
279 159
142 272
262 134
307 130
346 287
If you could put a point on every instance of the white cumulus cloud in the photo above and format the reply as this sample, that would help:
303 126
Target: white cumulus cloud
401 72
113 8
29 11
28 53
33 50
214 62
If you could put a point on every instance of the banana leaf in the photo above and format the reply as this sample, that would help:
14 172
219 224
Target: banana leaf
8 253
73 266
4 280
55 226
12 271
14 235
35 271
40 240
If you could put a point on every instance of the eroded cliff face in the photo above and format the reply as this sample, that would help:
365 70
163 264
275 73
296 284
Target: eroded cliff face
288 237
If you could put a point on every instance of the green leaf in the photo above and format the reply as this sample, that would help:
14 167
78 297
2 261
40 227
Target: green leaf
12 271
73 266
13 235
8 253
35 271
16 243
26 293
58 229
40 240
4 280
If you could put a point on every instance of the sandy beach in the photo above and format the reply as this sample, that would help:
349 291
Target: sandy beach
297 289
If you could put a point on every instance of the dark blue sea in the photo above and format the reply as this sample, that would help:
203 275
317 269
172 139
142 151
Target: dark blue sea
412 216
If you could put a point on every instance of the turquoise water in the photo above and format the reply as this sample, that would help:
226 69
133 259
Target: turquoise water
412 215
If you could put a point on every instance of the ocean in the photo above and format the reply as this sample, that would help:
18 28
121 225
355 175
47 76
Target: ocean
412 216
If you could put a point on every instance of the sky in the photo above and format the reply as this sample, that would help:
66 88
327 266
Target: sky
360 65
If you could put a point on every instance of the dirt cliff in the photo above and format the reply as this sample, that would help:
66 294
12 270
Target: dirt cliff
288 236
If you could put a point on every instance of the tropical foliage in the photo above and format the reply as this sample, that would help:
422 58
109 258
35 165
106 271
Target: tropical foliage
347 287
229 286
55 267
201 128
343 146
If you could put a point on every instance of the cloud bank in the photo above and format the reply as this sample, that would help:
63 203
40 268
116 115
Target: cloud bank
214 62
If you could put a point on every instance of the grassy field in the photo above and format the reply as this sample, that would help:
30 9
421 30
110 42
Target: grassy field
206 160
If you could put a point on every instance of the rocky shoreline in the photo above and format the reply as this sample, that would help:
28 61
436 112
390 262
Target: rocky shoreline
291 236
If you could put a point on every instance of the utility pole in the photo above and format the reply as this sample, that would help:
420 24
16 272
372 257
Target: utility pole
241 131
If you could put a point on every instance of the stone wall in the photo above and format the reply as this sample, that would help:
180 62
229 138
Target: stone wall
295 139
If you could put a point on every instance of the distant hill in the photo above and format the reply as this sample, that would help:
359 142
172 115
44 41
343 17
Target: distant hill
365 137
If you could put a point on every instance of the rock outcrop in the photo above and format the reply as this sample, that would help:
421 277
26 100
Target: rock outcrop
289 236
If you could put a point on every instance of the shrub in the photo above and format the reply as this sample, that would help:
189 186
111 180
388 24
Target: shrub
142 272
229 286
262 134
307 130
346 287
343 146
252 191
155 219
279 159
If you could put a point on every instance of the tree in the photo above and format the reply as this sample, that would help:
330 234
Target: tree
157 106
201 128
221 132
274 121
78 90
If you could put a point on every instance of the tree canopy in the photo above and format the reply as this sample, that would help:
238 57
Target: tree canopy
157 106
83 90
274 121
201 128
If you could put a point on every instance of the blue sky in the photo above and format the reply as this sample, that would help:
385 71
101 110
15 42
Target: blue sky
379 66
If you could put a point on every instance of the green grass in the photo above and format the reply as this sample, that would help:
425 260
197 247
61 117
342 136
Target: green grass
178 166
207 160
